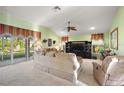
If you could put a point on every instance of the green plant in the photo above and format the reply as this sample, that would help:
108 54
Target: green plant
19 54
101 49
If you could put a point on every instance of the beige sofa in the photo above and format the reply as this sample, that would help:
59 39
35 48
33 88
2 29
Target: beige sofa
111 72
64 65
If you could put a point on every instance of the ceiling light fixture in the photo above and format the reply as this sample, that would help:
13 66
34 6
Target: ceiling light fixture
62 32
92 28
56 8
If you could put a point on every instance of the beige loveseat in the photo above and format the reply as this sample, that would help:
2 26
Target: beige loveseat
64 65
111 72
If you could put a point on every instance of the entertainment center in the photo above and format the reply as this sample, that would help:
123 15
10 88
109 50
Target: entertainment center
80 48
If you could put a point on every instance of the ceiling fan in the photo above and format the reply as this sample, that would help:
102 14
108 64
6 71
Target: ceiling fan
56 8
70 28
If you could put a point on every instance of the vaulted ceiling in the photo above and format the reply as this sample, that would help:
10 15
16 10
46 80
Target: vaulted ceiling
83 17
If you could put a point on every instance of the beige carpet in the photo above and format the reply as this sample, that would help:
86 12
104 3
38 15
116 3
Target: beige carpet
86 75
21 74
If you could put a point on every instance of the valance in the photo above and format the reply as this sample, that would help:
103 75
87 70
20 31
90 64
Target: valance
64 39
16 31
97 36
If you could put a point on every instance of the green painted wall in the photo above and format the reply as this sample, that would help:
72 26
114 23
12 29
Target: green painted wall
106 39
10 20
45 32
119 22
48 33
85 37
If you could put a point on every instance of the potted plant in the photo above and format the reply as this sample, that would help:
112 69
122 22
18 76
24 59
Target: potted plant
54 41
44 40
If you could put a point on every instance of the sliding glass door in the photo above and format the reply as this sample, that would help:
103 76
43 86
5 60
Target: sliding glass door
19 49
5 48
30 47
15 49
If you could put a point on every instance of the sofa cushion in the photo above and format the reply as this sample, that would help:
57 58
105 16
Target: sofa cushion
105 63
63 55
50 54
110 72
66 65
98 73
116 72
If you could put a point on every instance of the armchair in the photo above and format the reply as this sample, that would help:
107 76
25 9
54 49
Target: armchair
111 72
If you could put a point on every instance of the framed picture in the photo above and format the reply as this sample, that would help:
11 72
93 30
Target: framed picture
114 39
49 42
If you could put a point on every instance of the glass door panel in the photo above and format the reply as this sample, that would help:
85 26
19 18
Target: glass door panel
0 49
31 47
19 50
5 48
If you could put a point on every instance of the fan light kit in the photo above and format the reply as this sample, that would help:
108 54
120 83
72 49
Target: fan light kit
56 8
71 28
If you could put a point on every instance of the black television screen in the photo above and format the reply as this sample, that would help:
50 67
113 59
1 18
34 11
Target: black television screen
77 47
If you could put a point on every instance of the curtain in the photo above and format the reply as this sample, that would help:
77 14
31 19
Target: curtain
19 31
1 28
97 36
64 39
97 39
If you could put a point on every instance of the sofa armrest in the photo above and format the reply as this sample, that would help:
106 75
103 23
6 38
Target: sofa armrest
98 73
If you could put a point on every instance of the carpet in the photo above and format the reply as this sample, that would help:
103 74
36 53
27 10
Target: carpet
23 74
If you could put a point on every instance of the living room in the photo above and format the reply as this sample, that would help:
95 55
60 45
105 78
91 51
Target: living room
48 40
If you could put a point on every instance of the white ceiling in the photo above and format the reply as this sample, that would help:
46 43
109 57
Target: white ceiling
83 17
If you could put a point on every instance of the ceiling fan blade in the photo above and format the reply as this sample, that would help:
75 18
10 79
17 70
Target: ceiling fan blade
73 28
70 28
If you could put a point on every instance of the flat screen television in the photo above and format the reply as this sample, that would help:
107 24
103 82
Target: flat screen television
77 47
80 48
